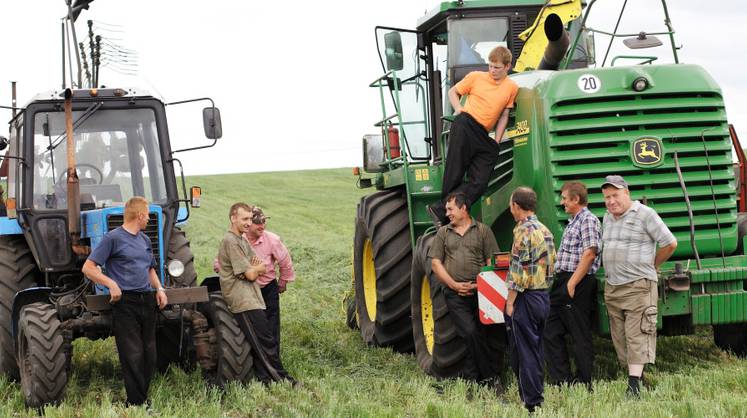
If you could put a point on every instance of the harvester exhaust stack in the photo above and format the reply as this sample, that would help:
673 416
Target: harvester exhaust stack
558 43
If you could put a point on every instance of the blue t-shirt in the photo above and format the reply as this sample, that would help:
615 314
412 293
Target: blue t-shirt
127 258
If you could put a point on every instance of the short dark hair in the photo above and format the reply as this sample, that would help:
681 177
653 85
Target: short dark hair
235 209
525 197
459 198
576 189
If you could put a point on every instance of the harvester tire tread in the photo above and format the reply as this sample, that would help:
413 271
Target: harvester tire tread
179 249
449 350
17 272
383 219
234 354
43 355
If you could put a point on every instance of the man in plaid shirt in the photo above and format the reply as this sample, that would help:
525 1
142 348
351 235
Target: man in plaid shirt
528 304
573 293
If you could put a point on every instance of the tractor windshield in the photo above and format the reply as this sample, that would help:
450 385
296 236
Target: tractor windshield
117 157
471 40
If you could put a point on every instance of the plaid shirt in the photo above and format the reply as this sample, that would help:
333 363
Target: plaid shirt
583 231
532 256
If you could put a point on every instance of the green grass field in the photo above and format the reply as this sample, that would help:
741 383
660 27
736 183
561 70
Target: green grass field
313 211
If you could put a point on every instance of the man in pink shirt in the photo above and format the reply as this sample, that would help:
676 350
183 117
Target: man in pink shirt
271 250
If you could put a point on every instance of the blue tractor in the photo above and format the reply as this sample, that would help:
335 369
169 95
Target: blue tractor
73 158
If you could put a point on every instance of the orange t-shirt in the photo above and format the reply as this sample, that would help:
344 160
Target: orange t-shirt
487 97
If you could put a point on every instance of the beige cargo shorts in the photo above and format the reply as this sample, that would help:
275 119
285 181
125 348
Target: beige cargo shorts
632 309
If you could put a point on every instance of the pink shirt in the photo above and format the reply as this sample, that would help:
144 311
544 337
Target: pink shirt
271 250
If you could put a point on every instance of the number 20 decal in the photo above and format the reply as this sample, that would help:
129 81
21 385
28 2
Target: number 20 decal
588 83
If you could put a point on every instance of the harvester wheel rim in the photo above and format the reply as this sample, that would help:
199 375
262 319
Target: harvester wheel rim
369 279
426 312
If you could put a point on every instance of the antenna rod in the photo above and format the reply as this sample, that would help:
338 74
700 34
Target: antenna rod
75 41
13 97
64 84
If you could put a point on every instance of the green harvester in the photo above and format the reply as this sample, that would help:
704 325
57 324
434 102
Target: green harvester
574 119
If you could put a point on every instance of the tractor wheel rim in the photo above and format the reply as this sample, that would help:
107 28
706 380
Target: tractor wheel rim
369 280
426 314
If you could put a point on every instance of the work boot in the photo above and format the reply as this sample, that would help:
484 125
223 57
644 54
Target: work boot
634 387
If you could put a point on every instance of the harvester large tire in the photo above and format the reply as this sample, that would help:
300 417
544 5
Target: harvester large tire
382 256
43 355
17 272
731 337
179 250
234 354
439 350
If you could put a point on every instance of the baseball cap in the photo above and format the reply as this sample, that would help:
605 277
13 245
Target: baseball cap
258 216
615 180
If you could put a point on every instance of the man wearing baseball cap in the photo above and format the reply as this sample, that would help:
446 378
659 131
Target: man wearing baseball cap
631 233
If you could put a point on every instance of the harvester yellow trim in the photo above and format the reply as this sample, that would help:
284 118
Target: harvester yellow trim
535 40
369 279
426 313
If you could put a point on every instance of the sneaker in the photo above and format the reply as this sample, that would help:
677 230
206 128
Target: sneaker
434 216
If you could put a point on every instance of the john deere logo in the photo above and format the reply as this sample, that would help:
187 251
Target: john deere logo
647 152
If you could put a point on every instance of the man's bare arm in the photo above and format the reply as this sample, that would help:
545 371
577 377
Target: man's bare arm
454 99
500 127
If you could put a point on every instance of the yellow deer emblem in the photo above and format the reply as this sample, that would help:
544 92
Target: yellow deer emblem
645 152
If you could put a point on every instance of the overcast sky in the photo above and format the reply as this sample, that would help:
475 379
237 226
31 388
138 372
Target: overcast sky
291 77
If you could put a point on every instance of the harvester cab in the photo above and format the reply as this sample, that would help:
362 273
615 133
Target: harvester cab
578 115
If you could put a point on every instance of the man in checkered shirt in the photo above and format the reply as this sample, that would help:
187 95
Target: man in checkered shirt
630 234
573 293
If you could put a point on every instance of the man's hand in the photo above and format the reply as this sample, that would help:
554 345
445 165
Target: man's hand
571 289
216 265
258 265
464 288
282 286
162 299
115 293
510 309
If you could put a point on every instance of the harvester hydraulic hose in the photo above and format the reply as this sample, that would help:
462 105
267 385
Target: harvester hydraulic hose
713 195
689 209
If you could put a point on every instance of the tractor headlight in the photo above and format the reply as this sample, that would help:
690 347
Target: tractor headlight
640 84
176 268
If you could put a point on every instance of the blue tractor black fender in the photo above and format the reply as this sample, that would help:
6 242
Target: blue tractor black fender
25 297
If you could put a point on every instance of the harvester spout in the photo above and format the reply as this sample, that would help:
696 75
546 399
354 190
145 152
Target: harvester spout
73 184
558 41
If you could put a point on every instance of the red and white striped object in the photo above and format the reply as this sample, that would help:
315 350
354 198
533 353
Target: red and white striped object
491 296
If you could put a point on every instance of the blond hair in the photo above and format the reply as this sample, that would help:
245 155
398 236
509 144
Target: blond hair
134 207
500 54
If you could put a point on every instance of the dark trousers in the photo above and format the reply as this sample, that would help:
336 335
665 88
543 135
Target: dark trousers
525 329
134 326
271 295
267 365
471 151
570 317
482 363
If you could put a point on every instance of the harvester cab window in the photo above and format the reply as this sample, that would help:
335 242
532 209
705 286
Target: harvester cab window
470 42
117 157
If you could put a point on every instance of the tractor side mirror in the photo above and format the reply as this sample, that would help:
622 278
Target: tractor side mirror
642 41
393 51
211 122
196 193
3 143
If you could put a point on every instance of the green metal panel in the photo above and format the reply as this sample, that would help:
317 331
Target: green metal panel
701 307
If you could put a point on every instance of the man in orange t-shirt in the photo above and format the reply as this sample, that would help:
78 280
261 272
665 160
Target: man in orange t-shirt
471 149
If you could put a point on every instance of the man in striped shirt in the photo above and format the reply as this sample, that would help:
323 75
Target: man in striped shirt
630 234
573 293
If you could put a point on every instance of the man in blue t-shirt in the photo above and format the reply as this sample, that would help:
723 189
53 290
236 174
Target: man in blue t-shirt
127 257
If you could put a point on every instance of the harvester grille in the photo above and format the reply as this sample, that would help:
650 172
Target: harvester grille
591 138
